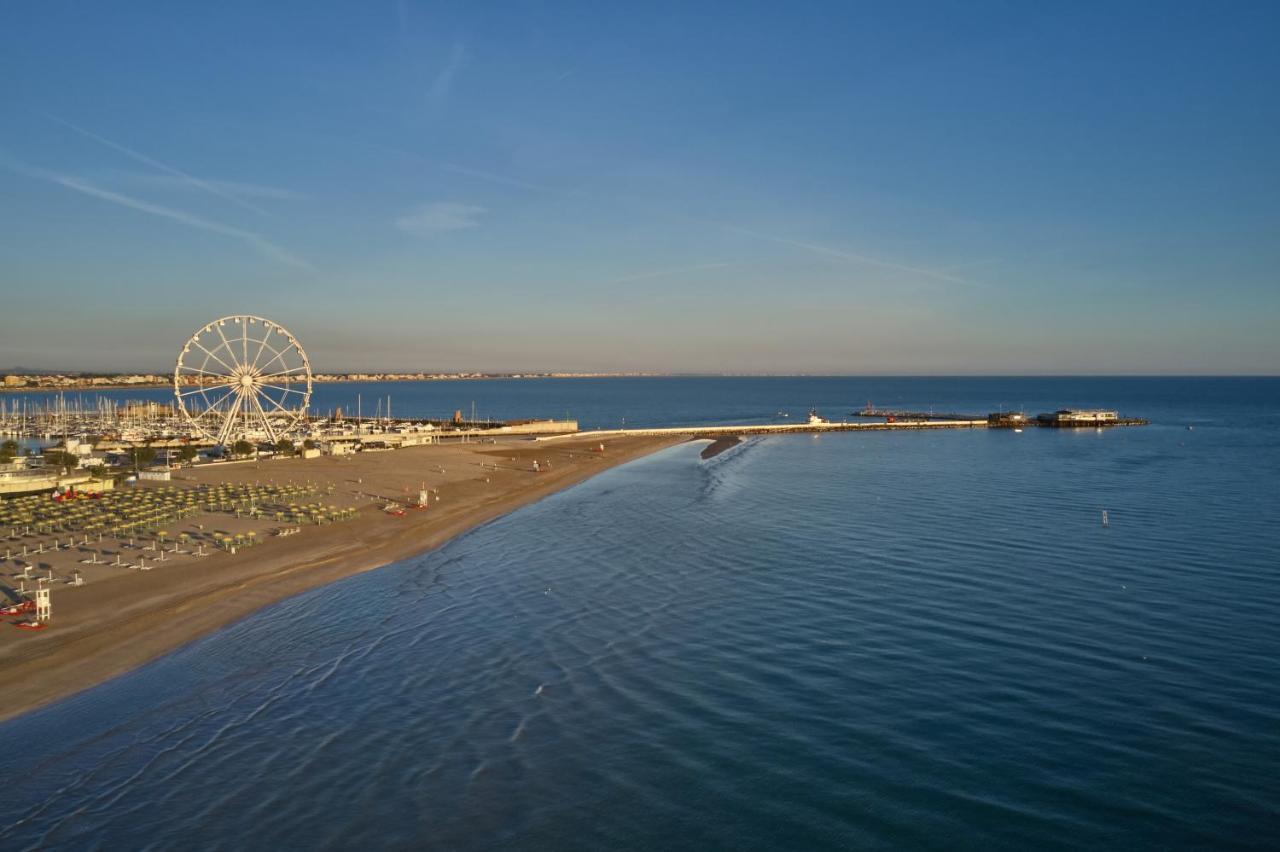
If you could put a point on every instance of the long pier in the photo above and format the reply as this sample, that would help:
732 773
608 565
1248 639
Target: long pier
771 429
817 428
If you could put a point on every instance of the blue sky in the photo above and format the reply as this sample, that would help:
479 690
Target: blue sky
842 187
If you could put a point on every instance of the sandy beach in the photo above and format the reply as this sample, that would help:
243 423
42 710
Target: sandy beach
121 618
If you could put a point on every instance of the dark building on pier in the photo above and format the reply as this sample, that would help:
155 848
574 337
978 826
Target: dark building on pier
1006 420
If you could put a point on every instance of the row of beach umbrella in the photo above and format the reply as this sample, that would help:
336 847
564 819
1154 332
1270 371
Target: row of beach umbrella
127 512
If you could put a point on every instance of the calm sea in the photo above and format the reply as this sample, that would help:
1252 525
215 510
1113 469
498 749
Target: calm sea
809 642
610 403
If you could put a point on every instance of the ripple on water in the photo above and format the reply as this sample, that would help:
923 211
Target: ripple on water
880 639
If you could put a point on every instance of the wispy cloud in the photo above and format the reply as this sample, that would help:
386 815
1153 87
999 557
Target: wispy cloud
177 173
662 273
256 241
231 187
443 83
945 274
853 257
494 178
440 216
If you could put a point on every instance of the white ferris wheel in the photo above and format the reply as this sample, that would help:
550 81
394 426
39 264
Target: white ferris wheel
242 377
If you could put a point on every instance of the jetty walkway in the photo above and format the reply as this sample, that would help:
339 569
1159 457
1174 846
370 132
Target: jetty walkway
743 430
771 429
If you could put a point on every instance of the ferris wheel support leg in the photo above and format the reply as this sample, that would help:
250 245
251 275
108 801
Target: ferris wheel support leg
266 421
224 434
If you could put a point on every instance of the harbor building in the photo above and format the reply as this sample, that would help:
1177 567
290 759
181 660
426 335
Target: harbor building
1006 420
1080 417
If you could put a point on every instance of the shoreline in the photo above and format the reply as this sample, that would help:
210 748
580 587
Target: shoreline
120 627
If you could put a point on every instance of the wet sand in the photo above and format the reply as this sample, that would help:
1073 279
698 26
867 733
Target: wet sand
124 619
719 445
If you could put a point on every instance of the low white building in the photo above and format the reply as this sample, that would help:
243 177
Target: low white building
1080 417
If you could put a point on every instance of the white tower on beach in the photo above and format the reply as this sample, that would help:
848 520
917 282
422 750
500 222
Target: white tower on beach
44 606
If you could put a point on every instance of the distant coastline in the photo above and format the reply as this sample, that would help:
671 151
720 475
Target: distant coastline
150 381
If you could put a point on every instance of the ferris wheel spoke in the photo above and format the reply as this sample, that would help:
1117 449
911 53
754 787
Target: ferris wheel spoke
230 368
279 356
232 389
283 374
298 354
229 389
207 362
213 406
276 355
277 400
281 408
184 368
279 388
266 334
265 390
227 344
204 388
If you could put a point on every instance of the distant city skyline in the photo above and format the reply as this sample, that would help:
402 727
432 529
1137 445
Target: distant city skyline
836 189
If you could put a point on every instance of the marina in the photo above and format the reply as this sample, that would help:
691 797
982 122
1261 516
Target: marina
243 384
